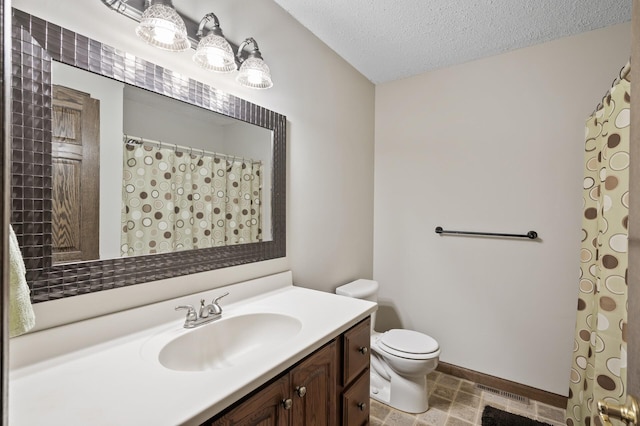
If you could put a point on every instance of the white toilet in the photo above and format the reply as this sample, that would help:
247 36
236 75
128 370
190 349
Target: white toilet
400 359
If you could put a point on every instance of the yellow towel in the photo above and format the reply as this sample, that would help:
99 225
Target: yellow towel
21 316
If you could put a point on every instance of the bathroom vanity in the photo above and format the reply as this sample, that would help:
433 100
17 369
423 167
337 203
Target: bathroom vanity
329 387
293 355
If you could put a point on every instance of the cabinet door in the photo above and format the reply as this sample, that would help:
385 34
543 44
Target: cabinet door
356 350
265 408
314 383
355 402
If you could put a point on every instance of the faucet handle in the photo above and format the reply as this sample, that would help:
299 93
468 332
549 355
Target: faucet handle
191 312
215 308
215 301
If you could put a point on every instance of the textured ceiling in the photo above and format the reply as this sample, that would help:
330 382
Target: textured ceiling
391 39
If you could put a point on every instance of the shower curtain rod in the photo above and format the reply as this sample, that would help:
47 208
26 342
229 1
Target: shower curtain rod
624 72
136 140
531 234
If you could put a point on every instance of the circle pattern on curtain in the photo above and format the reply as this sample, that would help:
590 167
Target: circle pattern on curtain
180 201
598 370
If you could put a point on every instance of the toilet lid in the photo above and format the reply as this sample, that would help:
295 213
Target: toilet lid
408 341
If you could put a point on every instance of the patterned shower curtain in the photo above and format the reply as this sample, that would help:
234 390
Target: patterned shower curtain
179 201
599 364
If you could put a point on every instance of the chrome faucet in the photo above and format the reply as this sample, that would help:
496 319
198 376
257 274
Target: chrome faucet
207 313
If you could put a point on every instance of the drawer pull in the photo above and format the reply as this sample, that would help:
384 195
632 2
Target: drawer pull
363 350
301 391
362 406
287 403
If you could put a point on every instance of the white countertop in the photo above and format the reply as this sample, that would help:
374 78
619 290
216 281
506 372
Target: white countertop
117 383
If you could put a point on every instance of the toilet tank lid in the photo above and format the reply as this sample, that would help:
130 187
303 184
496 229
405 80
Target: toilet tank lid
358 288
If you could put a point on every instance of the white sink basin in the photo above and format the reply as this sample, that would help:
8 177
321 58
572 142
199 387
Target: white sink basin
228 342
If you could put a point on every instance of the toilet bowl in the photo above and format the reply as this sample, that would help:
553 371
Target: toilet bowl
400 359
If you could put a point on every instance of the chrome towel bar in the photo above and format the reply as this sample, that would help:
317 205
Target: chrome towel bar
531 234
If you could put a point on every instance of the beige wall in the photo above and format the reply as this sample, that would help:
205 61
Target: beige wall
329 108
494 145
491 145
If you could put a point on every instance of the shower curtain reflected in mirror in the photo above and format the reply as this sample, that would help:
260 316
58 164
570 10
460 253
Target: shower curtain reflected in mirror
175 200
598 370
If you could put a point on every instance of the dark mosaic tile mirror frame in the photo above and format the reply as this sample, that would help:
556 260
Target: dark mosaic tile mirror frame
35 43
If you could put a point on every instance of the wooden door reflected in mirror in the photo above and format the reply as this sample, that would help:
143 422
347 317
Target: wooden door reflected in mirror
75 172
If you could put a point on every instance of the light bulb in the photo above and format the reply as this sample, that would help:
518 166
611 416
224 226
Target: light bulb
214 53
215 58
254 76
162 27
163 35
254 73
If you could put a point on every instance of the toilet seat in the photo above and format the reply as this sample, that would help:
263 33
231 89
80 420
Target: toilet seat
408 344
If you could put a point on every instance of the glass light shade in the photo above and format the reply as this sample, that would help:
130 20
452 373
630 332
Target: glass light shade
162 27
254 73
214 53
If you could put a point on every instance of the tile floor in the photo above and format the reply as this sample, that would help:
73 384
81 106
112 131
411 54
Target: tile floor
457 402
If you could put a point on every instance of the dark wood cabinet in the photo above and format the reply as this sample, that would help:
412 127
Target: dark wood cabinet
268 407
330 387
356 348
357 342
313 386
355 402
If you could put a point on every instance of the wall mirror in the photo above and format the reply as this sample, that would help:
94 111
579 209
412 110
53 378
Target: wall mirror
194 178
48 61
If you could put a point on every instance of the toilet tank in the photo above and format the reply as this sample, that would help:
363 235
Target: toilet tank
361 289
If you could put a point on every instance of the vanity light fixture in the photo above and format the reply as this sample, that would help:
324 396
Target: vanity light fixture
253 72
162 27
214 52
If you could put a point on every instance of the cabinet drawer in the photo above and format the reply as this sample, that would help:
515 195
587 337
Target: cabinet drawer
355 402
356 350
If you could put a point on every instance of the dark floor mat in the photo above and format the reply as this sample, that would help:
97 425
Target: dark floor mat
492 416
